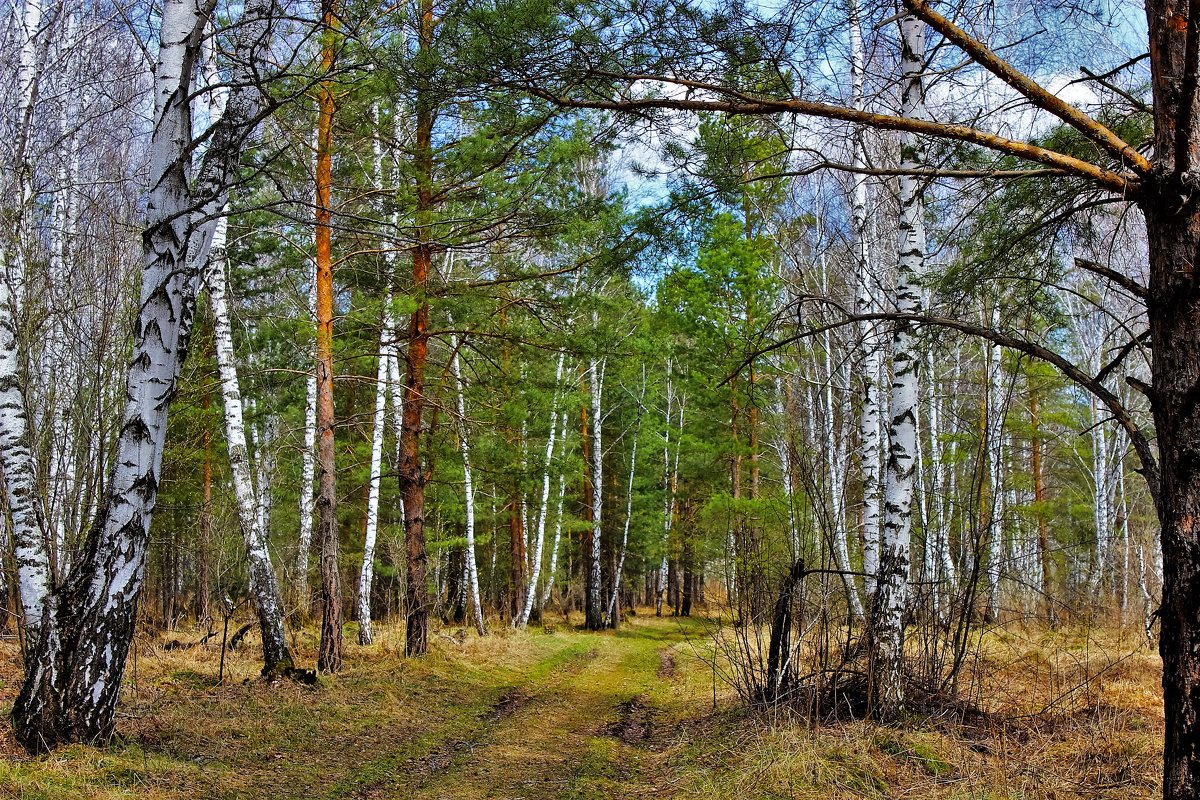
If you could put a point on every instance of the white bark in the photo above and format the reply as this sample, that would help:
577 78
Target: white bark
264 466
308 461
660 587
616 591
79 663
524 448
1144 586
367 570
992 448
837 460
469 491
952 506
1101 496
891 601
558 519
596 373
535 573
397 383
28 517
264 586
870 440
1124 512
61 363
28 524
783 448
945 571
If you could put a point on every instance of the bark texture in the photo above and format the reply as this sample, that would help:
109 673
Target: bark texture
70 692
891 590
329 657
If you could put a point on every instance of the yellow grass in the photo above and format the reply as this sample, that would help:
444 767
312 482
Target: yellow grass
567 714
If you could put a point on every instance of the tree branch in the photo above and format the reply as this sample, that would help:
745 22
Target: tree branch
1124 281
1138 104
1030 89
1125 185
1121 355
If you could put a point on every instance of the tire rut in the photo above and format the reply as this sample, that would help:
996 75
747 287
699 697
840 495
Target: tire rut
416 773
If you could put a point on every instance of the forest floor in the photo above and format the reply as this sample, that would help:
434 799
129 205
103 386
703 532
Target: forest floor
559 713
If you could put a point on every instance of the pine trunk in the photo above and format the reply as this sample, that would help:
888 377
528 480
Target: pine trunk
329 655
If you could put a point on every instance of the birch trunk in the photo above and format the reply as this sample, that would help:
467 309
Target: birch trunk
610 614
468 490
1101 496
384 371
308 466
61 362
668 499
16 457
70 693
891 590
594 609
869 426
943 572
367 571
1035 466
837 460
263 584
558 520
531 593
993 430
20 475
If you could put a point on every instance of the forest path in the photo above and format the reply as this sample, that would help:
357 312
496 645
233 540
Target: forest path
516 714
588 720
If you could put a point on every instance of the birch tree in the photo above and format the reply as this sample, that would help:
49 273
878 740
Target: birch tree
469 489
16 458
70 692
264 587
891 589
378 423
612 610
594 607
867 305
308 463
531 593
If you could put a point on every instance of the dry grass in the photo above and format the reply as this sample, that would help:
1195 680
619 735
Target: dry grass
1072 713
1064 714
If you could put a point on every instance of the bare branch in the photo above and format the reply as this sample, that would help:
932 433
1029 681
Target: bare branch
1137 102
1073 372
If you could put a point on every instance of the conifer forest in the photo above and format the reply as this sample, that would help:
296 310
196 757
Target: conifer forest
600 399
